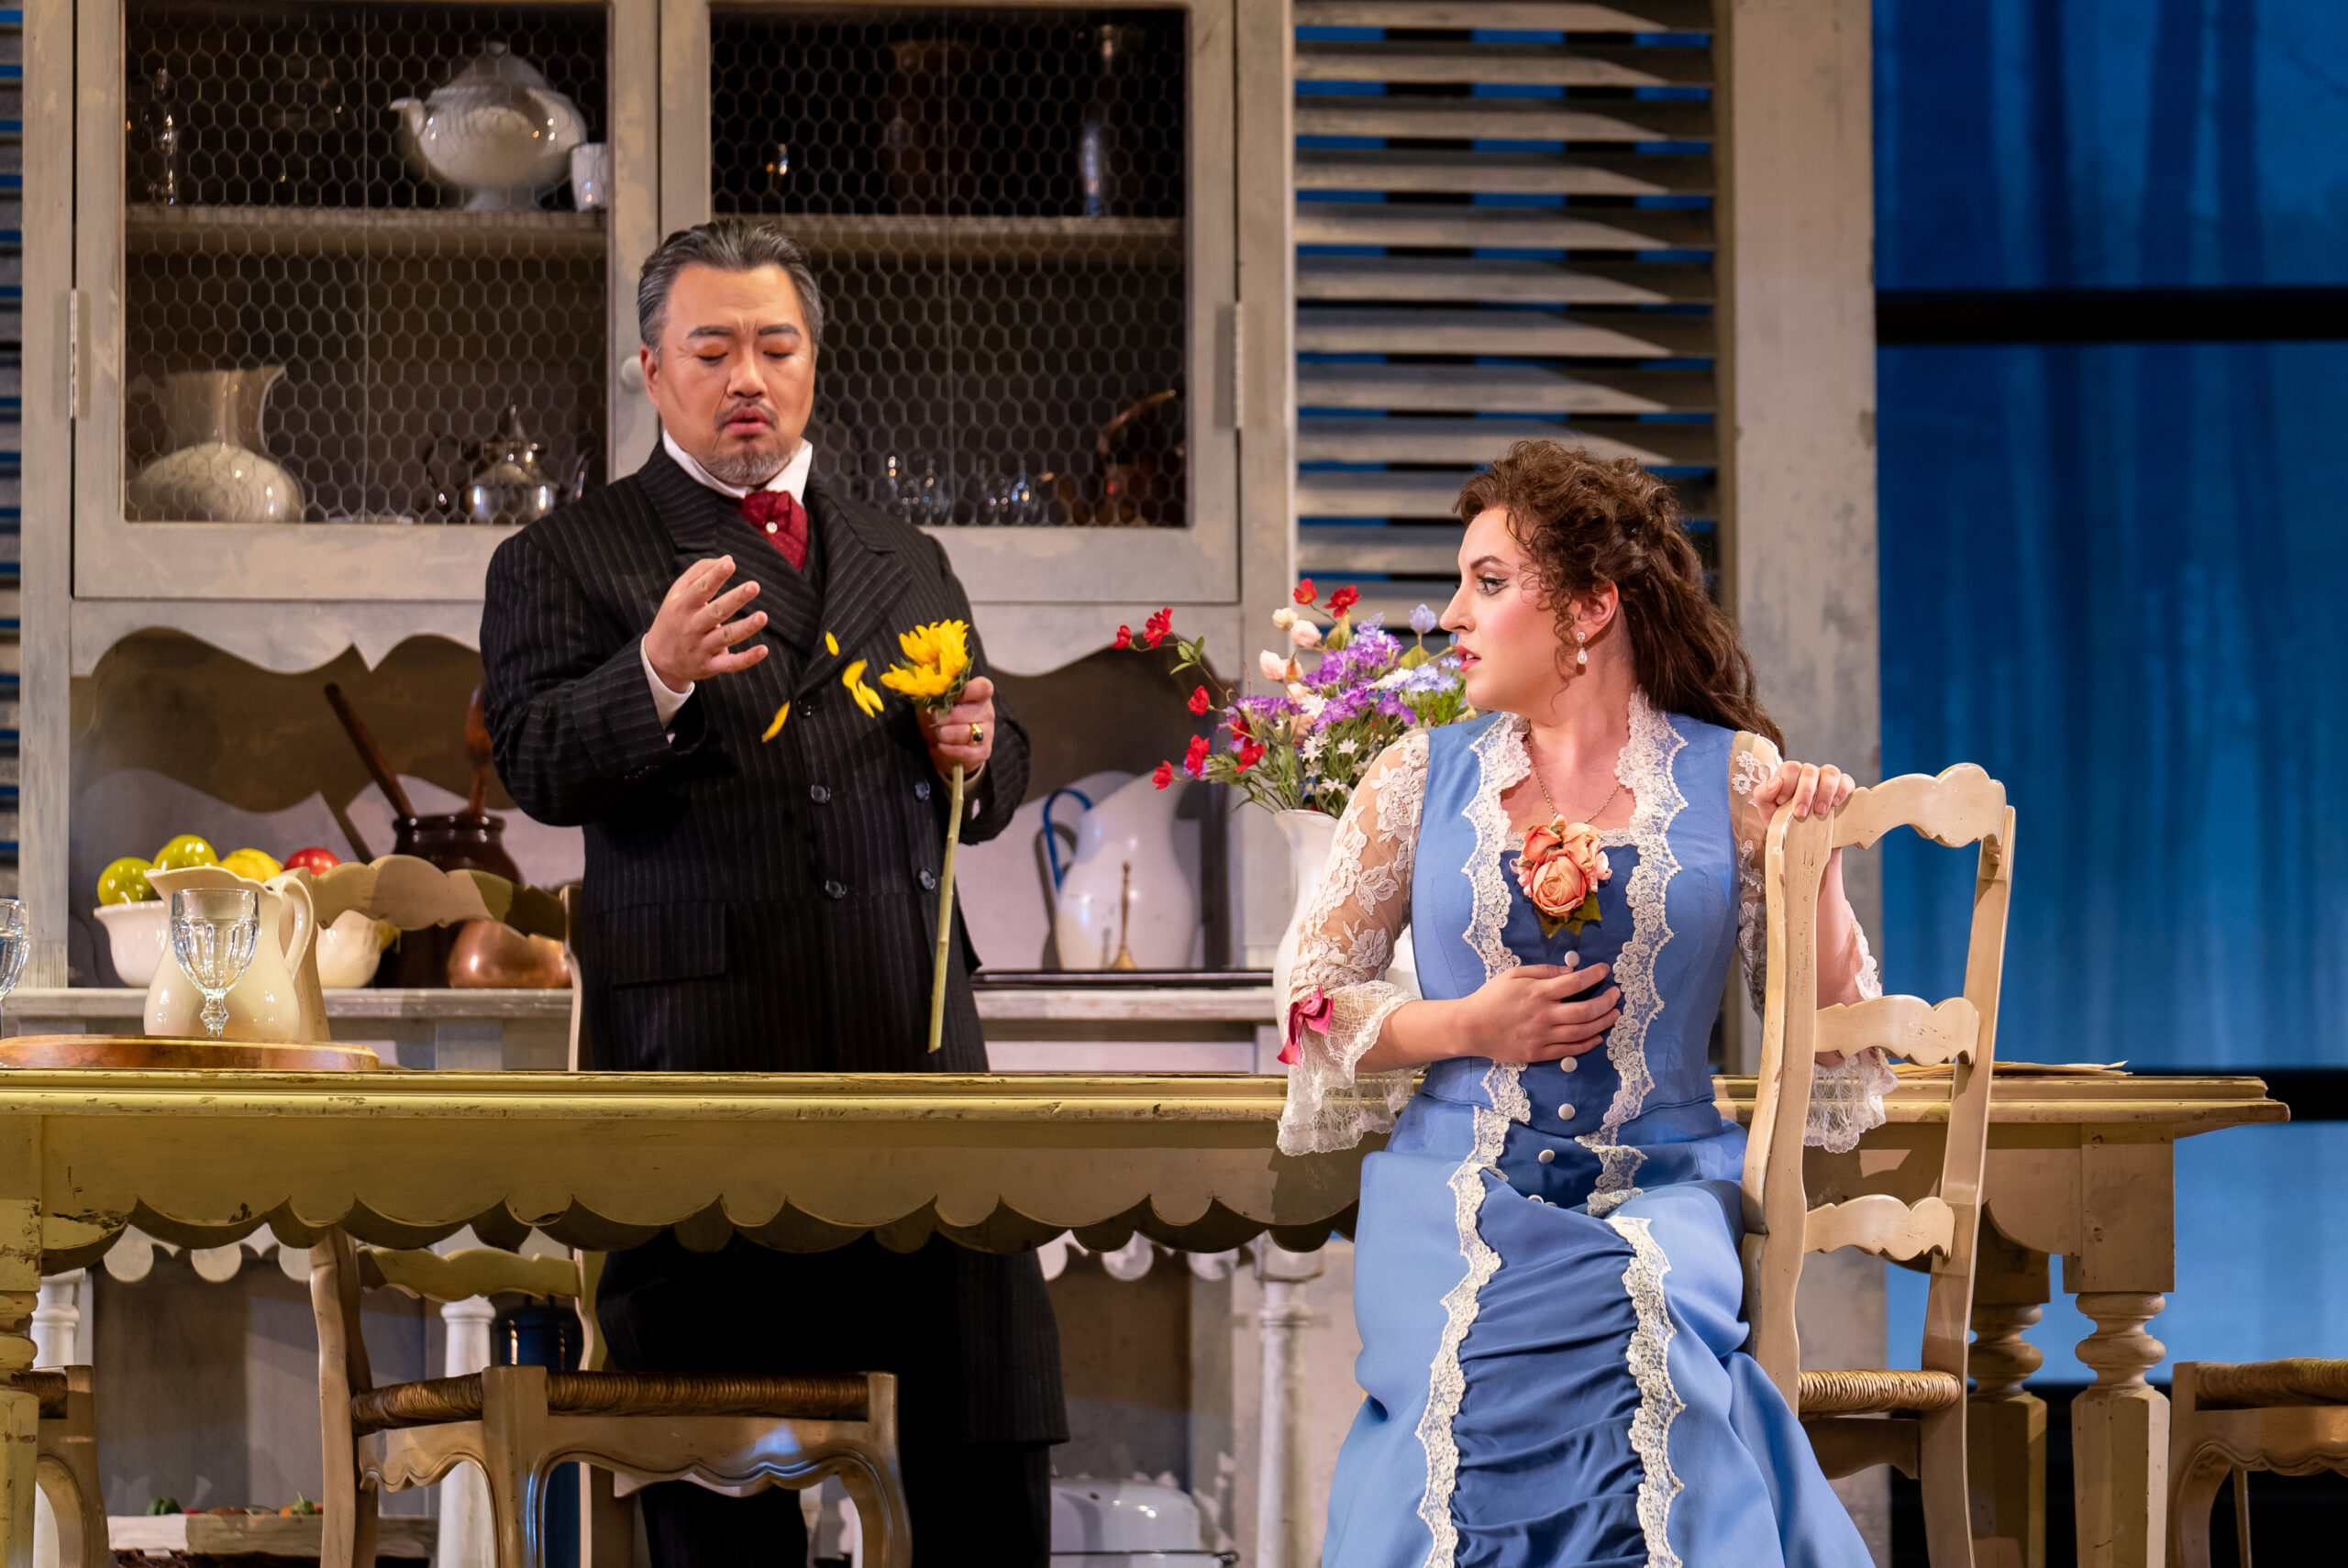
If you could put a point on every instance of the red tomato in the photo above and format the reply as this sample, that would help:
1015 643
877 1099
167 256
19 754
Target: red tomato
315 861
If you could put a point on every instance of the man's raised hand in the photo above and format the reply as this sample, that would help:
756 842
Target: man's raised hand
693 636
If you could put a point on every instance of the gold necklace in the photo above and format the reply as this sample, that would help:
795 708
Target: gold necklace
1550 801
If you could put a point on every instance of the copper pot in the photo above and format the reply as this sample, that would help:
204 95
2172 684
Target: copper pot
489 954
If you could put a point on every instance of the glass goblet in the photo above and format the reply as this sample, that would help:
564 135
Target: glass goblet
213 933
15 942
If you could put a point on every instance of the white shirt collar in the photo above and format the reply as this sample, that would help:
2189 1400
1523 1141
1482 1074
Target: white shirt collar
793 477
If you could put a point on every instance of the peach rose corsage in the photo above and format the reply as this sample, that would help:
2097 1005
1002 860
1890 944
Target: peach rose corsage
1561 868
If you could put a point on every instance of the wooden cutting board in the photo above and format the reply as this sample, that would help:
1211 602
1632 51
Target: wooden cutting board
150 1053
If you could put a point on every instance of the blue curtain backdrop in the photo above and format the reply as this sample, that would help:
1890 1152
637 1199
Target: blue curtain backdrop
2113 575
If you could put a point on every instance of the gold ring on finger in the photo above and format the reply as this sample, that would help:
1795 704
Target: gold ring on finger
977 734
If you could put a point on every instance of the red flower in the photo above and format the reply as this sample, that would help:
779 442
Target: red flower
1344 599
1125 638
1158 627
1250 754
1199 701
1162 775
1194 761
1305 592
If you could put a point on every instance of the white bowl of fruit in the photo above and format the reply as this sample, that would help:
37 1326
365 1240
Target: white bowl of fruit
135 915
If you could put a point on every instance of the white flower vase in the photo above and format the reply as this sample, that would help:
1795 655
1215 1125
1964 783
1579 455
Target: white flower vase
1309 835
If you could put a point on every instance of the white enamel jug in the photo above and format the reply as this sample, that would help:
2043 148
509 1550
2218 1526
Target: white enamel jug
1125 900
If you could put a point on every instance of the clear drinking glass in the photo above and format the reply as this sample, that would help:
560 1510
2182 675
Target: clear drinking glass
16 940
213 932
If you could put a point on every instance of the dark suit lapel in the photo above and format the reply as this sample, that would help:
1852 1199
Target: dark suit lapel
863 582
702 523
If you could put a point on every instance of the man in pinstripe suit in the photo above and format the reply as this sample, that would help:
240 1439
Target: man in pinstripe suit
765 900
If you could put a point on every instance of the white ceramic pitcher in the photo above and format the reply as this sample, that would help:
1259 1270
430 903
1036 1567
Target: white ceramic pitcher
1126 891
270 1002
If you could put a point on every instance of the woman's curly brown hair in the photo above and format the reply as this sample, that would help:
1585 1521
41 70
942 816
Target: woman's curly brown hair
1586 524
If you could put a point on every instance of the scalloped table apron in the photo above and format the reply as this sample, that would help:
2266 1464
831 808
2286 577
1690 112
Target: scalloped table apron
2077 1167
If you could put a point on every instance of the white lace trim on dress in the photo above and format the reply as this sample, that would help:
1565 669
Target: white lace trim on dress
1446 1381
1659 1402
1501 762
1346 942
1644 769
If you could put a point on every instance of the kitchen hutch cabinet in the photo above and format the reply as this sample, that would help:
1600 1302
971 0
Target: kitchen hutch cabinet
287 307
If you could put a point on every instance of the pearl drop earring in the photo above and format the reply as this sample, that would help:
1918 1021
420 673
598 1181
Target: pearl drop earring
1581 654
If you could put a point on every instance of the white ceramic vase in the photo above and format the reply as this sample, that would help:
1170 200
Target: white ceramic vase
1126 891
1309 835
217 470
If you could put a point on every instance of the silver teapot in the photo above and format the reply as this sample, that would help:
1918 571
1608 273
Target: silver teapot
497 130
508 486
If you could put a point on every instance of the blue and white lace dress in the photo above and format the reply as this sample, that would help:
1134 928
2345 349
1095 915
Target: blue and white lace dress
1546 1277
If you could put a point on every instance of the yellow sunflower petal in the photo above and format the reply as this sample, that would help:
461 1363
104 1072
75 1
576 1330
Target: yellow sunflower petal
775 728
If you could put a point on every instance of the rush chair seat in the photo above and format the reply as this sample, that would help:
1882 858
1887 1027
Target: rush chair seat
1912 1420
66 1466
2230 1418
517 1423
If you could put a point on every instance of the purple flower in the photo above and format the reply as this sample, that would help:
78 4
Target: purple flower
1423 619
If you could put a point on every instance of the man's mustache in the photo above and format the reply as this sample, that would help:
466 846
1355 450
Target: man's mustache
765 411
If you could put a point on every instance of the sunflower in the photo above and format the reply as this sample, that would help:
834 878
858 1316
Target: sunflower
938 664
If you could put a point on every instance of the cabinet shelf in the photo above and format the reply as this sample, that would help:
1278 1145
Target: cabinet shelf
354 231
1122 241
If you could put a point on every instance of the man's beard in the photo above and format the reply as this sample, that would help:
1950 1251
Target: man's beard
748 467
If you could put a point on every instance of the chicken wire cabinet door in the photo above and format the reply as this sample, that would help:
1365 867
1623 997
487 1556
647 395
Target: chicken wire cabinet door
1019 218
351 318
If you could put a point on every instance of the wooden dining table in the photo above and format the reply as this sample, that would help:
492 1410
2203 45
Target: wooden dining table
2078 1166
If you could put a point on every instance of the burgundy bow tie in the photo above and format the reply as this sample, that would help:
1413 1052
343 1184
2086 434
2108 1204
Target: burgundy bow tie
781 519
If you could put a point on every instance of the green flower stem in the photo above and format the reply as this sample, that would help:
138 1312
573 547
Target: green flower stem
945 914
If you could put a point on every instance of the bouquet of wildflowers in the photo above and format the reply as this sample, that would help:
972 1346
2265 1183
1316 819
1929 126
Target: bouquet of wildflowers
1305 745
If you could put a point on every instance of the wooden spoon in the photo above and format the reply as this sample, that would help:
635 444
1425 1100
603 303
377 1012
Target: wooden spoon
477 749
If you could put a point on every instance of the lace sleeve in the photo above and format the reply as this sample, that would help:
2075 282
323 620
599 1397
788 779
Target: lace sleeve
1337 1001
1845 1100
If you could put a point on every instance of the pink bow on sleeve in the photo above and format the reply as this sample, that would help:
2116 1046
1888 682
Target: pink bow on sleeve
1312 1013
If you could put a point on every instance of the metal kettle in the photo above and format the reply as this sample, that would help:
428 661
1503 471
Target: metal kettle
508 486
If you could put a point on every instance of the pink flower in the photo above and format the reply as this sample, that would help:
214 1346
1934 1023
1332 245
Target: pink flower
1271 665
1312 1013
1304 634
1560 865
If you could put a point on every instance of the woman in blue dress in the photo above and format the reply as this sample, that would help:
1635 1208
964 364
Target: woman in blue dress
1546 1277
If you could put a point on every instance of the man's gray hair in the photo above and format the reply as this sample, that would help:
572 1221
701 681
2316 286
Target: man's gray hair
730 245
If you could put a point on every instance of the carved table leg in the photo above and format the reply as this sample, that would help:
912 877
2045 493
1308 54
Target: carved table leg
2005 1426
19 1412
1284 1510
2119 1436
2005 1431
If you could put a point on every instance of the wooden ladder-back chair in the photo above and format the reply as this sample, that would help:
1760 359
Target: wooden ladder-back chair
2231 1418
66 1466
518 1422
1912 1420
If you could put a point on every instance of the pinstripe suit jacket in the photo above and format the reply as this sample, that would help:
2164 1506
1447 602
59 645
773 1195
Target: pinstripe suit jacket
749 905
754 906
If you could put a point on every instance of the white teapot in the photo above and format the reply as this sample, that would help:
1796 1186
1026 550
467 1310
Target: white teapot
273 1000
497 131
